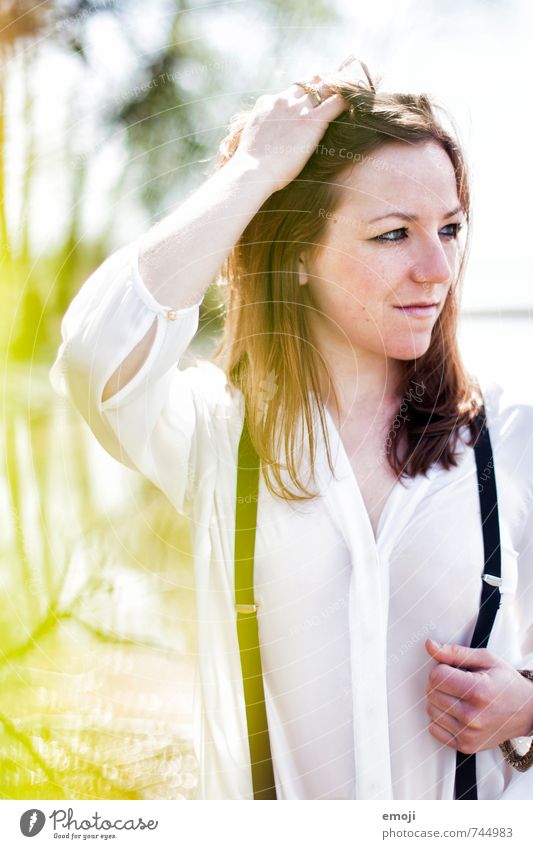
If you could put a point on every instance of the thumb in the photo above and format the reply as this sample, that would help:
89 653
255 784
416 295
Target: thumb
463 657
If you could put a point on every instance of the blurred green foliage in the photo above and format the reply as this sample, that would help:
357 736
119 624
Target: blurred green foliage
96 621
97 634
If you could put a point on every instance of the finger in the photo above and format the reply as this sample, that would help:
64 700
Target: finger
454 682
296 90
315 80
445 702
442 735
331 106
308 101
444 720
462 657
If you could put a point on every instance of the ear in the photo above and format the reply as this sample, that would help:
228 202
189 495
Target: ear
302 272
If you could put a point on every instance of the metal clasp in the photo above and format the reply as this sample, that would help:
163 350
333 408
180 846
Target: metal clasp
493 580
246 608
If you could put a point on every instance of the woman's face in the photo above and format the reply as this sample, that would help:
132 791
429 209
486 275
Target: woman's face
367 269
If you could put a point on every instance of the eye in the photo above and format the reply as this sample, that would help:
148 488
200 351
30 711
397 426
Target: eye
388 237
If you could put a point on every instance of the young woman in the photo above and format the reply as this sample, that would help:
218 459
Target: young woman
336 217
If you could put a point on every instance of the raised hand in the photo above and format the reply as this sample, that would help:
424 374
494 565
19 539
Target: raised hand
284 129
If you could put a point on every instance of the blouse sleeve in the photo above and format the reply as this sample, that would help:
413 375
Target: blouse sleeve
524 591
151 424
524 605
520 785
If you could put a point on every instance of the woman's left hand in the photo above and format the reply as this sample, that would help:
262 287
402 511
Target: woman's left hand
475 699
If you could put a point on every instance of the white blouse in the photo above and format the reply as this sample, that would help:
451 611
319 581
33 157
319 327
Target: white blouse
343 616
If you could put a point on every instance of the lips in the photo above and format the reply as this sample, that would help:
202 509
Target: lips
419 304
424 310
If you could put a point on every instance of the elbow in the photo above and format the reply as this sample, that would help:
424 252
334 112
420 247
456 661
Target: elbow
75 375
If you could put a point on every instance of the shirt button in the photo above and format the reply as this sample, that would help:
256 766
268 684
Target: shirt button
172 315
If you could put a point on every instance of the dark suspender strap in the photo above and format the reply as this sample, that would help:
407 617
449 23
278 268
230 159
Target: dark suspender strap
465 774
264 785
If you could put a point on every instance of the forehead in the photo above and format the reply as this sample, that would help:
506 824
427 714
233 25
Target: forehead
417 178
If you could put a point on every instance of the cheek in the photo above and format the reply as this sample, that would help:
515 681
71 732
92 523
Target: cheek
359 309
354 285
363 284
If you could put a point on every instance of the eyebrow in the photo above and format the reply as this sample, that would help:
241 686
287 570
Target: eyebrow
397 213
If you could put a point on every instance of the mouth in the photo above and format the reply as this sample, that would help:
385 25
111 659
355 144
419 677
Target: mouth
419 310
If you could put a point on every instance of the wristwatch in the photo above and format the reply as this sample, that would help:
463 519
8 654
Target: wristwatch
519 762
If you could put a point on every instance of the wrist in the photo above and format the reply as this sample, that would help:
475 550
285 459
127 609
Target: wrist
522 759
527 725
245 167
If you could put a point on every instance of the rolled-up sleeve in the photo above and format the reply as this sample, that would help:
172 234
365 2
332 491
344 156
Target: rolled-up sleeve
520 785
150 423
524 591
524 606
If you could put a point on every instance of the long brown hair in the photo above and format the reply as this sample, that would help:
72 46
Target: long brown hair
265 350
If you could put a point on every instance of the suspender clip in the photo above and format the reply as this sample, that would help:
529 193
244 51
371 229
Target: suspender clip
493 580
246 608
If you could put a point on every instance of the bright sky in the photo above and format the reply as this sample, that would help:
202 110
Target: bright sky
472 56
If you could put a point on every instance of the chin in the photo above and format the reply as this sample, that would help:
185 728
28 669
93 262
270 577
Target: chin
412 349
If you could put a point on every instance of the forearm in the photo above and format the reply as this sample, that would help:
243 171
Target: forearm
180 255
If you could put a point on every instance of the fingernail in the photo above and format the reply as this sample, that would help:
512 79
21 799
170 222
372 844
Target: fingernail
434 644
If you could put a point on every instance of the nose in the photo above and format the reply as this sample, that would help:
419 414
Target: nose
431 264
